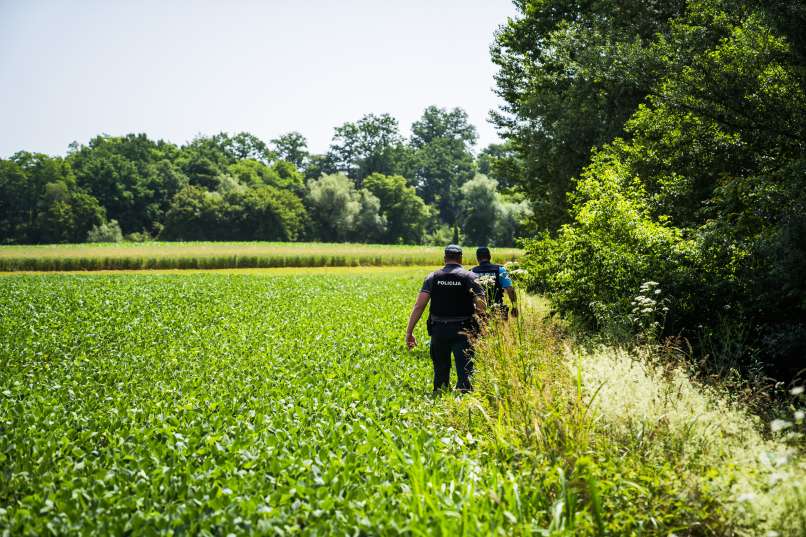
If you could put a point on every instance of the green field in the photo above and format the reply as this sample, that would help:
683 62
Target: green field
283 402
223 403
209 255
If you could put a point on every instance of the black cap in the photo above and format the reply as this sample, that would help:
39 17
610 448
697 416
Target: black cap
483 252
453 249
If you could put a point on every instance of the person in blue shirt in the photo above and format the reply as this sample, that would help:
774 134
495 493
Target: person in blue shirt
500 282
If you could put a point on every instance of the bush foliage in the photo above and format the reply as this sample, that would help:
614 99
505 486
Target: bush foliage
701 191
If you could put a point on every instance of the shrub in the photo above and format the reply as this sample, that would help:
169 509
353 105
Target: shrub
106 232
595 267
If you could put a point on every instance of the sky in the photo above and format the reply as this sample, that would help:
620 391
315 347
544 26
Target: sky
175 69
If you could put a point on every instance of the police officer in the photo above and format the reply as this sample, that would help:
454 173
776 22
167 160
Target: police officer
456 298
502 282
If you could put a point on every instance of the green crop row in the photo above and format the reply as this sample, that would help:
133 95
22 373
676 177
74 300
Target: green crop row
285 403
212 404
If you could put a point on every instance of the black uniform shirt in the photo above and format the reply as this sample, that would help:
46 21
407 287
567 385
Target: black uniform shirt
457 268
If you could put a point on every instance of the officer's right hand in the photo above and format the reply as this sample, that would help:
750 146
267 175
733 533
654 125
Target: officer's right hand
411 341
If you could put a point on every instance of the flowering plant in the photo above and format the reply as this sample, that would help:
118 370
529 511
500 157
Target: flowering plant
649 310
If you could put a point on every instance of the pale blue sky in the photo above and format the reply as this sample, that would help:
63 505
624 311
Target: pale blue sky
72 69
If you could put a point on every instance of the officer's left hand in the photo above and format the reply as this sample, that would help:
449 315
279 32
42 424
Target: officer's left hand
411 341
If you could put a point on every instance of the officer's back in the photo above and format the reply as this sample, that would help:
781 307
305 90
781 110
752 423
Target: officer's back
496 278
456 298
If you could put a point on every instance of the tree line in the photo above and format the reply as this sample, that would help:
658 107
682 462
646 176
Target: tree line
665 142
372 185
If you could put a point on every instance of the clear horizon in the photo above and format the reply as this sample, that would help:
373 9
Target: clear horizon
69 72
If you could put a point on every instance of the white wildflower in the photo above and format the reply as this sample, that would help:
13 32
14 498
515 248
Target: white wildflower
779 425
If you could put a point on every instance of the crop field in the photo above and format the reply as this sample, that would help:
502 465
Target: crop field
208 255
283 402
214 404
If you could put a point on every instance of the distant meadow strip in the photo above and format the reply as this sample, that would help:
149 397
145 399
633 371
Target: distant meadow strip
161 256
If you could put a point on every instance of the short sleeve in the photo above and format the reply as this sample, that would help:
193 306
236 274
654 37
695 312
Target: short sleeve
426 288
503 277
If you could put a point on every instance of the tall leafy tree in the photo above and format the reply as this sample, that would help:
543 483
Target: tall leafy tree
133 177
333 206
40 201
443 123
480 210
222 149
502 163
292 147
442 159
370 222
66 214
704 195
244 145
405 212
372 144
318 165
280 174
341 212
570 74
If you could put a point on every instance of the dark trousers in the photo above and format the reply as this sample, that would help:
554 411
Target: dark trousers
441 350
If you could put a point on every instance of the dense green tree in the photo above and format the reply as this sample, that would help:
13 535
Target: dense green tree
202 171
292 147
370 223
440 123
318 165
250 173
705 196
40 201
222 149
194 214
262 213
265 213
441 160
502 163
333 206
280 174
405 212
248 146
570 74
373 144
133 178
290 177
341 212
22 182
510 225
66 215
480 210
206 158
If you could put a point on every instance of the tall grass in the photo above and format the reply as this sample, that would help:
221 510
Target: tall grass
620 446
